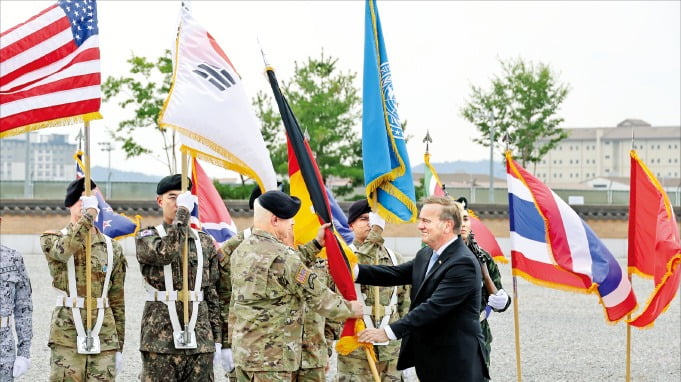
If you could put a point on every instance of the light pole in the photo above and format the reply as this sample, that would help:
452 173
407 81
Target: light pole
106 146
491 157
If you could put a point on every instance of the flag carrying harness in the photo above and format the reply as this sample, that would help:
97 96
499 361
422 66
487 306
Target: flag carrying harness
169 296
71 299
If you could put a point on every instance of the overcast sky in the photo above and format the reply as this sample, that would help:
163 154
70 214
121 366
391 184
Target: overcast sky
620 59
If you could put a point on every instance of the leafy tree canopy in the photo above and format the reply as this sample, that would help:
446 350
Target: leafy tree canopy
521 107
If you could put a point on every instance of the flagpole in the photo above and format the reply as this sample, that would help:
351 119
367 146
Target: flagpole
88 245
185 260
627 376
516 327
280 101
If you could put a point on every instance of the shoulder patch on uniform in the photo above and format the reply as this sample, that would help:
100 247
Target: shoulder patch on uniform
302 275
146 232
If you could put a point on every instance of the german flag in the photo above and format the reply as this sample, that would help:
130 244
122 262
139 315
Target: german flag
306 183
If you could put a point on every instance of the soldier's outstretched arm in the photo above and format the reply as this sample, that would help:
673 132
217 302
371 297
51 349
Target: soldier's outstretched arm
116 293
23 309
306 284
60 247
152 249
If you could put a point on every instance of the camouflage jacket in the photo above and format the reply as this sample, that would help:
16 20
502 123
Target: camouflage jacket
373 251
271 286
15 300
495 275
153 253
58 248
317 334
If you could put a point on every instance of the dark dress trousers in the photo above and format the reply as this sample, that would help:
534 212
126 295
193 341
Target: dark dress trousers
441 334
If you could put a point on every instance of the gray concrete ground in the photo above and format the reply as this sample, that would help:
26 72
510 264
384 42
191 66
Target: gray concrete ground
563 335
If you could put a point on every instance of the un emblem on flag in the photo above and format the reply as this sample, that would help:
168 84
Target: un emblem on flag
390 102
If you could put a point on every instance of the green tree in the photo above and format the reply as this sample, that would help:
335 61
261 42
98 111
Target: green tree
327 107
144 92
521 106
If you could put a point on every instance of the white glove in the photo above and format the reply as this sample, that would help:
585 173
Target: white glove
90 202
119 362
21 365
217 356
227 360
187 200
376 219
499 300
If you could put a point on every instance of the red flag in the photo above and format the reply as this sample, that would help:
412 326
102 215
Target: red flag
212 214
486 239
654 245
49 69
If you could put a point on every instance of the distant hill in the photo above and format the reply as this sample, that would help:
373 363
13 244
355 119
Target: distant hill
99 174
462 166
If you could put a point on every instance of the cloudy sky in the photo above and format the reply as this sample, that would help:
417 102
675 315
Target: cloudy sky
620 59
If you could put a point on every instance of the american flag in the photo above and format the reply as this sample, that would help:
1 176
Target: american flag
49 69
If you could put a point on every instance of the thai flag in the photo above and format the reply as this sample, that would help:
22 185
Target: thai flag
552 246
211 215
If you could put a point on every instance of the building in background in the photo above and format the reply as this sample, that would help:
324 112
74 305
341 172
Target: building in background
51 158
599 156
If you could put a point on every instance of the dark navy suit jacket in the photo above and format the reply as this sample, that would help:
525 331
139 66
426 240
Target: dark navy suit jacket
441 334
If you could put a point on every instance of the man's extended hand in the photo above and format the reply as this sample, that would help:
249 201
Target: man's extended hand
373 335
320 234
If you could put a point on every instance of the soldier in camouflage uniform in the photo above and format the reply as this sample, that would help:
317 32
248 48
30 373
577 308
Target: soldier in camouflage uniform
159 254
317 332
65 250
370 249
498 302
271 287
15 305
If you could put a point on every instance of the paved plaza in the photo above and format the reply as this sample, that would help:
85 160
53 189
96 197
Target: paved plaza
563 335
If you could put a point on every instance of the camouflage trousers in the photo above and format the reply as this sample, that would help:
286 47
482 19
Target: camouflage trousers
358 370
317 374
265 376
177 367
66 365
6 367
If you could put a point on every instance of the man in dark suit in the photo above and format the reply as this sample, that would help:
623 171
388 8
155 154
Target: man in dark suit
441 334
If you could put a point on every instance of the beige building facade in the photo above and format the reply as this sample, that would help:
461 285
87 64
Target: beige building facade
603 152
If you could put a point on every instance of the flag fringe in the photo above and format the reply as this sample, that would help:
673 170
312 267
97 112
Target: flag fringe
393 191
634 270
655 182
230 161
672 266
500 259
549 284
67 121
138 224
348 344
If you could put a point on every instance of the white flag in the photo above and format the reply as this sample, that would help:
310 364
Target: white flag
207 104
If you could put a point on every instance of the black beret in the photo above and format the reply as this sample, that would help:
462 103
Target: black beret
463 201
280 204
170 183
254 195
75 190
358 209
